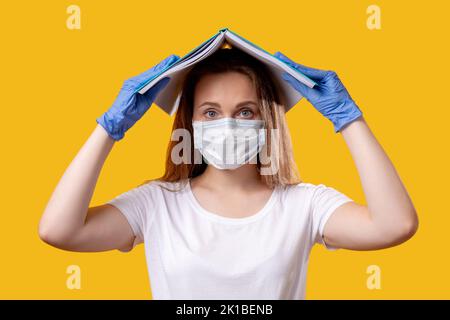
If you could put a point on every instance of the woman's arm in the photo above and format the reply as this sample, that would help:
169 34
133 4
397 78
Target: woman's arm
389 217
67 222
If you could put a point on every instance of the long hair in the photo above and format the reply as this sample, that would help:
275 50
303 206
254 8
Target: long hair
271 107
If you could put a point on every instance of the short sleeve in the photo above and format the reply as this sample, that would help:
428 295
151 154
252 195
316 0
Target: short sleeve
136 205
325 200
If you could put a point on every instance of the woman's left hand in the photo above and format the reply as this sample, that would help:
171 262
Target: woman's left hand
329 96
389 218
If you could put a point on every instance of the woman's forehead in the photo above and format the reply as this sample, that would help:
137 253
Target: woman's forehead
230 87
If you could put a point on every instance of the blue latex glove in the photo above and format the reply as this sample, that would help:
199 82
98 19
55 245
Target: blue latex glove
329 96
130 105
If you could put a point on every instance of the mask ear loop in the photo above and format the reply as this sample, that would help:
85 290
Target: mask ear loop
258 161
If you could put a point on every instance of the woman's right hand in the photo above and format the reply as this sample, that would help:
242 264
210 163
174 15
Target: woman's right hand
130 105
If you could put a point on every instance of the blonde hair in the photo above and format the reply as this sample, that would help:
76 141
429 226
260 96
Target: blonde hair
271 107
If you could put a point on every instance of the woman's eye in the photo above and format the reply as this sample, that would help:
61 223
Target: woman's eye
210 113
246 113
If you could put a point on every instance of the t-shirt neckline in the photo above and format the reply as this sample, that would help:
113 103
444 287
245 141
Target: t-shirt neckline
218 218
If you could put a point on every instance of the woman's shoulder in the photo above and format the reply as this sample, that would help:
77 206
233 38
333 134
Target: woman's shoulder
300 187
303 189
315 192
158 185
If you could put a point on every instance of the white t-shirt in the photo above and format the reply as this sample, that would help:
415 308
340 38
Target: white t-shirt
192 253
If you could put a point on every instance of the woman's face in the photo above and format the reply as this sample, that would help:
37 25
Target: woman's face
225 95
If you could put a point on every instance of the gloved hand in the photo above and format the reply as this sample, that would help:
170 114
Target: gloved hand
130 105
329 96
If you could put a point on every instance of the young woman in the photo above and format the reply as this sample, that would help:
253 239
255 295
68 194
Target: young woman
217 231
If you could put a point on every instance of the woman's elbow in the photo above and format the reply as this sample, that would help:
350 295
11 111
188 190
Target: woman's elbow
46 235
408 228
413 226
51 236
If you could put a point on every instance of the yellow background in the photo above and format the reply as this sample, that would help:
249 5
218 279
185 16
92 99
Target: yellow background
56 81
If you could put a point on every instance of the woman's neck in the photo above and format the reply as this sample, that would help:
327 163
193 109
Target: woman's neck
244 177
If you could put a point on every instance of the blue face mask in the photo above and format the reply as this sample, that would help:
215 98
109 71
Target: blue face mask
228 143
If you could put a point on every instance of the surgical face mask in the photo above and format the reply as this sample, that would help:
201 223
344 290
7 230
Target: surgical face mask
229 143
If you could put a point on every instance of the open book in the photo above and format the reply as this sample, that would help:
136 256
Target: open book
168 99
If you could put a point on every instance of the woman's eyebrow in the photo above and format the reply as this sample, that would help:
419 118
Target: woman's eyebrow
215 104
